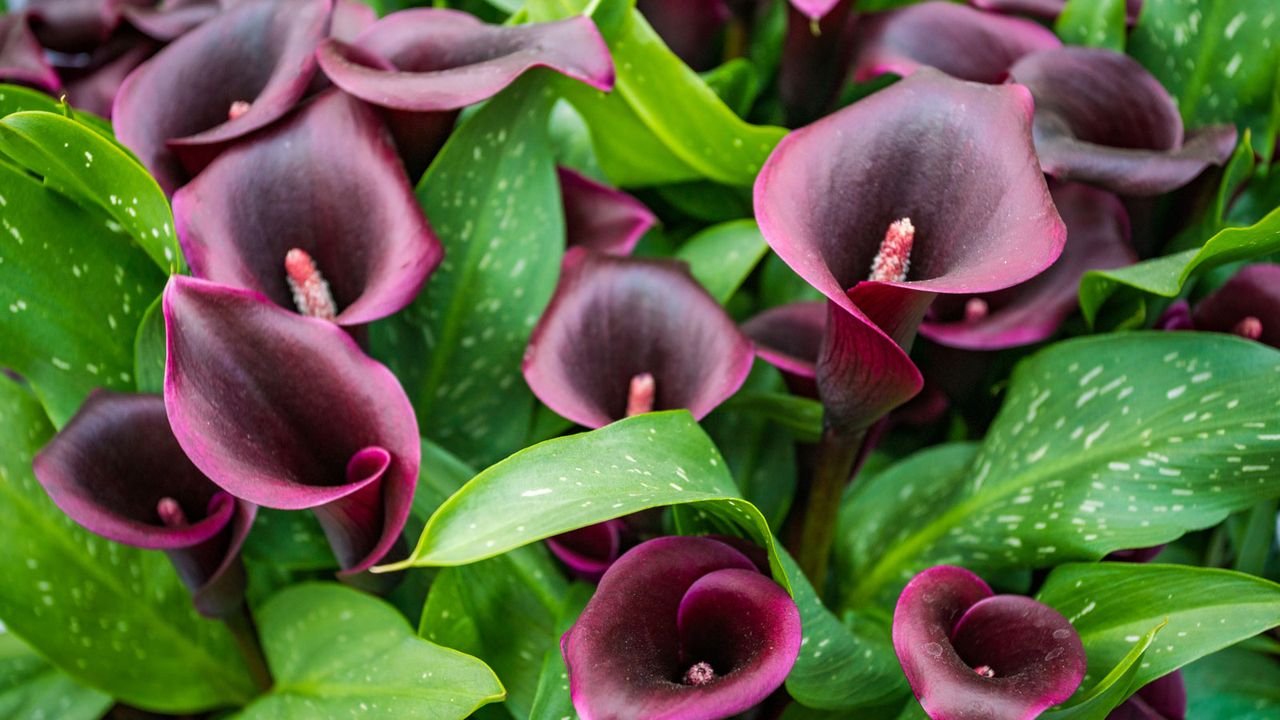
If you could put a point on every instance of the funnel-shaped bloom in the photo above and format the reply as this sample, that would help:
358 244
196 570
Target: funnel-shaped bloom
117 470
600 217
169 19
232 75
1047 9
929 186
351 211
689 27
287 412
958 40
1164 698
1097 239
21 57
625 335
1101 118
681 627
590 550
973 655
1248 305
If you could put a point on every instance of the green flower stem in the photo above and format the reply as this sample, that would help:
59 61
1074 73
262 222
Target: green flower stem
837 453
245 632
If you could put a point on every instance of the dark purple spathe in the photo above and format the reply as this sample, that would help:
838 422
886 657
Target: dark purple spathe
1253 292
352 211
973 655
1047 9
287 412
1101 118
589 551
21 57
614 318
1164 698
680 628
601 217
117 470
175 110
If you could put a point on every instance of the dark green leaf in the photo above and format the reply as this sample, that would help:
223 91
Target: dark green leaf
800 415
337 652
1096 23
1233 683
552 701
722 256
112 617
736 82
32 689
149 350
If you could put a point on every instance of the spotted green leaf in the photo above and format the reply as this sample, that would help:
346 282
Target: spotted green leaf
73 290
1219 60
337 652
566 483
1166 275
83 164
492 197
722 256
32 689
1103 443
1233 683
1113 606
1096 23
112 617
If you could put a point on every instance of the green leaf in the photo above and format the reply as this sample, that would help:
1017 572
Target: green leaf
80 162
31 689
1112 690
1096 23
801 415
112 617
1235 684
337 652
493 199
722 256
662 123
470 608
736 82
72 291
1112 605
1166 275
552 701
566 483
1219 60
15 98
1108 442
149 350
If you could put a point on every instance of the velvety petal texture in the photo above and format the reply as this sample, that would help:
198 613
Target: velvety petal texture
73 26
589 551
176 109
963 42
615 318
1164 698
435 59
1101 118
117 470
21 57
947 163
287 412
600 217
171 18
789 338
680 628
352 211
972 655
1097 239
1248 304
93 85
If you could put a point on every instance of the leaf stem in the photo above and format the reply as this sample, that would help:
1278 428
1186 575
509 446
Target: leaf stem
1260 532
245 632
836 455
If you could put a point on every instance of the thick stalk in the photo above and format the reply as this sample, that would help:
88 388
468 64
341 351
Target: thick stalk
836 455
245 632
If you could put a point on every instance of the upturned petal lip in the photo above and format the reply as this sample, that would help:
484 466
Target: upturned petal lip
446 60
1046 9
613 318
1102 118
1254 292
170 19
600 217
589 551
948 625
963 42
789 336
666 605
21 57
176 105
353 212
273 407
1097 239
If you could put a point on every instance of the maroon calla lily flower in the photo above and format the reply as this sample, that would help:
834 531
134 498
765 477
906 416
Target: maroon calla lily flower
589 551
21 57
1101 118
1247 305
170 19
623 336
74 26
230 76
94 84
684 628
1164 698
972 655
280 191
815 60
1047 9
929 186
287 412
1097 239
117 470
789 338
689 27
600 217
958 40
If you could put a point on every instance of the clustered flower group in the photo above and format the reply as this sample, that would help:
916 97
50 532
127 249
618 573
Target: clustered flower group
963 203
